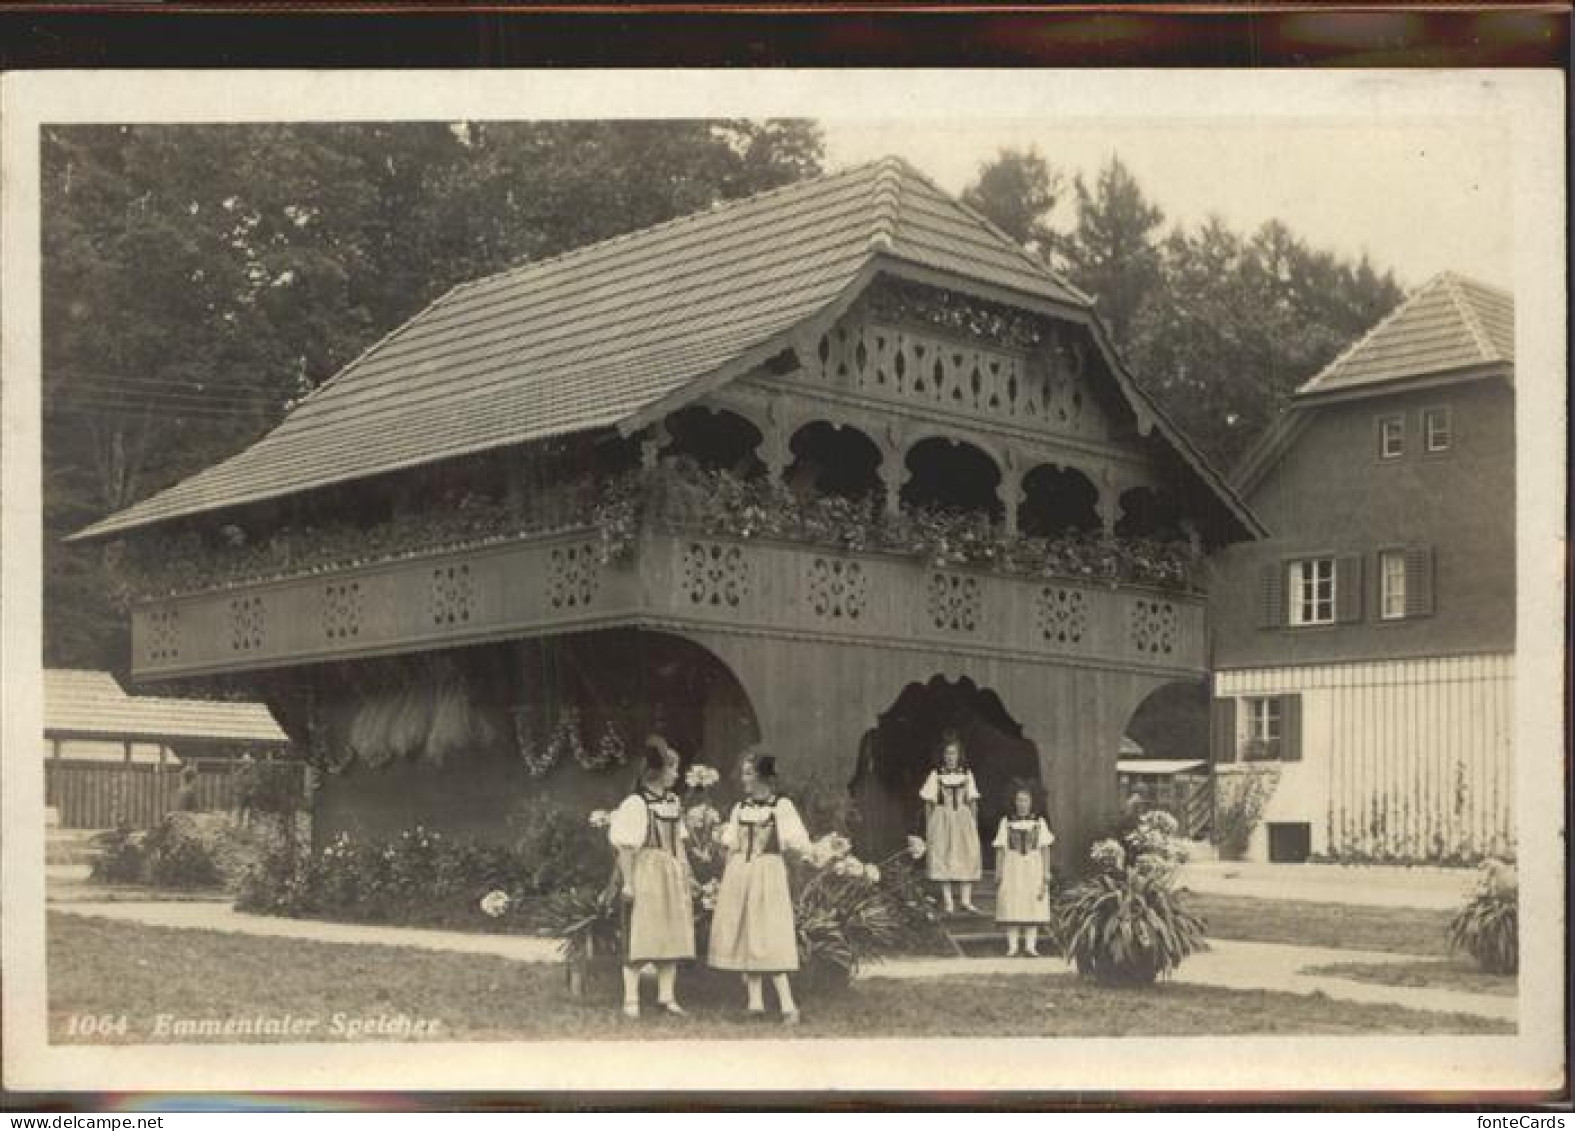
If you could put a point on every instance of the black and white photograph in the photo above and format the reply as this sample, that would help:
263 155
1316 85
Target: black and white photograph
532 580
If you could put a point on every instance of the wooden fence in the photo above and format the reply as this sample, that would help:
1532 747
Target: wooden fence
1187 797
90 795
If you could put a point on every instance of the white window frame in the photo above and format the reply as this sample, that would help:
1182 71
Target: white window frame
1311 591
1437 421
1391 584
1266 720
1385 423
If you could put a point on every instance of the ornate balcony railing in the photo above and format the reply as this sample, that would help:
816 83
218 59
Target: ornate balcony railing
566 581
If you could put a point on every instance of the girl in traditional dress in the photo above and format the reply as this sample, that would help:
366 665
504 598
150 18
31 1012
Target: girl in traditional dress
1022 868
951 825
752 928
649 833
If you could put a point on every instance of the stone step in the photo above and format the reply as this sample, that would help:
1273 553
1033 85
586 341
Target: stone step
69 846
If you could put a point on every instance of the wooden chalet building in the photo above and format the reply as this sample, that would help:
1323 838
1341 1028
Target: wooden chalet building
1365 649
827 469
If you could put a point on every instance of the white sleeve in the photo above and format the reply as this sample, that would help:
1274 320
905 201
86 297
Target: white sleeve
1046 837
1001 839
973 789
729 835
931 790
791 833
627 829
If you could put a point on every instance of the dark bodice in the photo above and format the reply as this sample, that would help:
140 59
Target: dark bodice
1023 836
663 815
757 829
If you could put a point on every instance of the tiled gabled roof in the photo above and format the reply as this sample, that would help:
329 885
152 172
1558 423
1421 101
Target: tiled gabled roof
601 335
1448 325
80 702
587 339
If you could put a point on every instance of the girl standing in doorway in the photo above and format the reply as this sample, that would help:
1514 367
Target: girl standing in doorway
951 825
752 928
649 833
1022 868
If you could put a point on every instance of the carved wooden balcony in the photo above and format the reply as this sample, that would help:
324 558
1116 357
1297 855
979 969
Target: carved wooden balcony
558 582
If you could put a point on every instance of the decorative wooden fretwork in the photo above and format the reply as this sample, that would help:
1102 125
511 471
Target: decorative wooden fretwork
954 602
1061 616
1154 626
837 589
715 575
573 574
164 635
451 595
246 623
342 610
959 315
1040 389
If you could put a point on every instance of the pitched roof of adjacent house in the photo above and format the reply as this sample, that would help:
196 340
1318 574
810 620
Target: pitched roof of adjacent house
78 702
1449 324
594 337
1450 328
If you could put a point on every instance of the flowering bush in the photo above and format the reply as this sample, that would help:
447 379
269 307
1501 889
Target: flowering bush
1127 923
1488 926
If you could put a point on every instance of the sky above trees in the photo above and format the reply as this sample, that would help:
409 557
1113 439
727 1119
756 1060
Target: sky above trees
1419 196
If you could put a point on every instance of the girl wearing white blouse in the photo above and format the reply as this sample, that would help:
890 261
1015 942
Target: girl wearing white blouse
649 833
752 928
951 825
1022 868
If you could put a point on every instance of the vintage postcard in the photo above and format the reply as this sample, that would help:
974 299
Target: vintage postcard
1030 581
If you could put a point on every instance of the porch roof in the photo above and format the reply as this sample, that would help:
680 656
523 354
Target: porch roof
92 703
593 338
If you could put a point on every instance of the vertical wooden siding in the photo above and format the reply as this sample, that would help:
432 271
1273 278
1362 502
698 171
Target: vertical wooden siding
87 794
1417 754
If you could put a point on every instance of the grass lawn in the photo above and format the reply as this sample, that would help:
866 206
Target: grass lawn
108 969
1397 930
1443 974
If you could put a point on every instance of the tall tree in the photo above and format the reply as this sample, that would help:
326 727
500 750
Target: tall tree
1112 252
197 279
1017 191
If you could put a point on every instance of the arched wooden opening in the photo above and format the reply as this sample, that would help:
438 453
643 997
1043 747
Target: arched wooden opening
1147 512
1164 762
1057 501
829 460
899 752
954 475
714 440
572 703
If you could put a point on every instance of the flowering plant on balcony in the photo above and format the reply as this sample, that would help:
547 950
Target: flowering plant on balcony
677 494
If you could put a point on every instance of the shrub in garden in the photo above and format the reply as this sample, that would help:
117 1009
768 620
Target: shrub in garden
176 855
556 847
1488 926
1127 923
1240 797
118 856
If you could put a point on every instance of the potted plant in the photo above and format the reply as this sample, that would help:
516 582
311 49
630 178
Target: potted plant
1488 926
1127 924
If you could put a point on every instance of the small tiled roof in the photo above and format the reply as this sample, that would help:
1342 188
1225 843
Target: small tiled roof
92 703
588 339
1449 324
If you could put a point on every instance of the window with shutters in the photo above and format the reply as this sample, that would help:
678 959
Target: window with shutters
1391 437
1312 591
1438 433
1265 726
1391 584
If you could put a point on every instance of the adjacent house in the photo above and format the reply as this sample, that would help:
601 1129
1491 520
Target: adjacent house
110 756
830 469
1364 651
